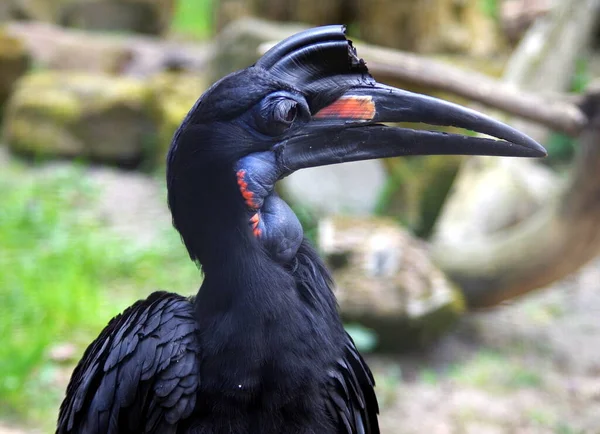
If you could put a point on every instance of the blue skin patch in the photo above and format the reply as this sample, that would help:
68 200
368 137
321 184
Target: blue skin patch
272 221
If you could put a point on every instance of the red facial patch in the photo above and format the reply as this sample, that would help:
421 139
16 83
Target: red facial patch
356 107
255 219
246 194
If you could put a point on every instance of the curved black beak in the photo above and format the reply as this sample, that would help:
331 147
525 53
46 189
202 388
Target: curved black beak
349 129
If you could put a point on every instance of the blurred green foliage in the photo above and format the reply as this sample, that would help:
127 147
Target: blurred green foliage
64 275
365 338
561 147
490 7
582 77
194 18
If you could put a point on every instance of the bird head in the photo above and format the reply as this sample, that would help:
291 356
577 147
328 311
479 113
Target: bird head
309 101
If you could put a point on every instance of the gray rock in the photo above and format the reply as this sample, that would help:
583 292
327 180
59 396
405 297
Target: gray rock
351 188
140 16
386 281
146 16
57 48
5 11
236 47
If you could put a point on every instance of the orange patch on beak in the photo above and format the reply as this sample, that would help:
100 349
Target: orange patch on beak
349 107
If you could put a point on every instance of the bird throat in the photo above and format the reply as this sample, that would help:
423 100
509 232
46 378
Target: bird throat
270 219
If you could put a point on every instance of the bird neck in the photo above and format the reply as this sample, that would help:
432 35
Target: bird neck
257 318
249 281
245 279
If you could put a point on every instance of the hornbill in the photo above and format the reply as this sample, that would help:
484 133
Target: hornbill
261 347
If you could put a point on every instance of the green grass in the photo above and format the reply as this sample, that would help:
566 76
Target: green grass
63 275
495 372
194 18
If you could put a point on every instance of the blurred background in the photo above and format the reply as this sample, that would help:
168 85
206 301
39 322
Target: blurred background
472 284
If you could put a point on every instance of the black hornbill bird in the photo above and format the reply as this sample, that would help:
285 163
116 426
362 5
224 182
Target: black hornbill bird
261 347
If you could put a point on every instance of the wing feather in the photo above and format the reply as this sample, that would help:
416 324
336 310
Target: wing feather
351 400
140 375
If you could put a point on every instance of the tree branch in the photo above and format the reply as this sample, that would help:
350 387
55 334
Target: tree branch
388 64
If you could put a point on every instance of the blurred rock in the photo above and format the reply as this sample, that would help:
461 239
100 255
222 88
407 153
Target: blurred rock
313 12
132 205
174 94
5 11
460 26
14 62
386 282
236 47
37 10
228 11
63 352
457 26
351 188
139 16
517 15
316 12
58 48
81 115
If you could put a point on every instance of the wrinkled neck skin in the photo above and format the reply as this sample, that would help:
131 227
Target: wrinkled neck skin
254 250
272 221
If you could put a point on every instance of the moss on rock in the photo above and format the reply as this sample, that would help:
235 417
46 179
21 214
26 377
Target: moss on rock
71 114
14 62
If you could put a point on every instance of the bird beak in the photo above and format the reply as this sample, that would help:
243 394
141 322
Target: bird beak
350 129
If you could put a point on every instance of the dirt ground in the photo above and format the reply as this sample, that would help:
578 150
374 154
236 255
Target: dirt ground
529 366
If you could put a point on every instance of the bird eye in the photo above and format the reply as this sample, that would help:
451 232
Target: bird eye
277 113
286 111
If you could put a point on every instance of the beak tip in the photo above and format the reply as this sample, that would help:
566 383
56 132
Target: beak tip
538 151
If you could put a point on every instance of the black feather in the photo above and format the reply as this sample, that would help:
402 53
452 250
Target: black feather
101 393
